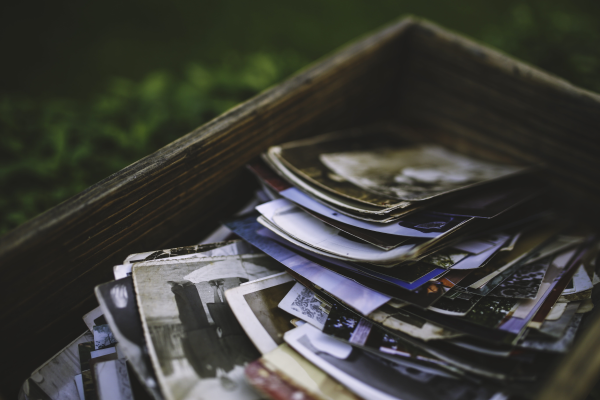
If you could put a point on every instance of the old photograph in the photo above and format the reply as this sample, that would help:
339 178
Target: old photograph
255 305
302 157
412 173
196 344
302 302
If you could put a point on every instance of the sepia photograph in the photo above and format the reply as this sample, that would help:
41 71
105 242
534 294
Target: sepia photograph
412 173
302 158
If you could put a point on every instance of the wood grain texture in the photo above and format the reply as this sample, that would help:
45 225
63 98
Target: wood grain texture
53 262
436 85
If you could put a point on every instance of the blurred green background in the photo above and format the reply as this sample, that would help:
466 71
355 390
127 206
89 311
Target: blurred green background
87 88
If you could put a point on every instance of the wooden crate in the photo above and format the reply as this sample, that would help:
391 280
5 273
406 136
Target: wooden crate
436 85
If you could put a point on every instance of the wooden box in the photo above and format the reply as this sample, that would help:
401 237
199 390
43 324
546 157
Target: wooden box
432 83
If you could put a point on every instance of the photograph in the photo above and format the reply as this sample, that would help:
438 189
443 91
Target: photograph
556 327
383 241
453 277
456 306
255 305
491 200
406 278
525 283
85 354
196 344
538 342
446 258
302 158
534 244
368 335
227 248
302 302
119 304
396 319
412 173
346 205
103 337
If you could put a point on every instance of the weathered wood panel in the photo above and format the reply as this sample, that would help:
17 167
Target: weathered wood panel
52 263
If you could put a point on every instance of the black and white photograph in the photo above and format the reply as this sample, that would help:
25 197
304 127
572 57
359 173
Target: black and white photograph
525 283
255 305
196 344
302 302
103 337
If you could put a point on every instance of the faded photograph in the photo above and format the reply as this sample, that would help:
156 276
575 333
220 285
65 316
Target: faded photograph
412 173
302 157
197 346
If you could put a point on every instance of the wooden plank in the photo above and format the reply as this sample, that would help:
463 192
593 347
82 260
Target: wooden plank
53 262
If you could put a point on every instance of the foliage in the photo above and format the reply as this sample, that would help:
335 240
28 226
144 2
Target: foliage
563 43
53 149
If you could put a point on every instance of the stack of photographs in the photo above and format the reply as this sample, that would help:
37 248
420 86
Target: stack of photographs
365 267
